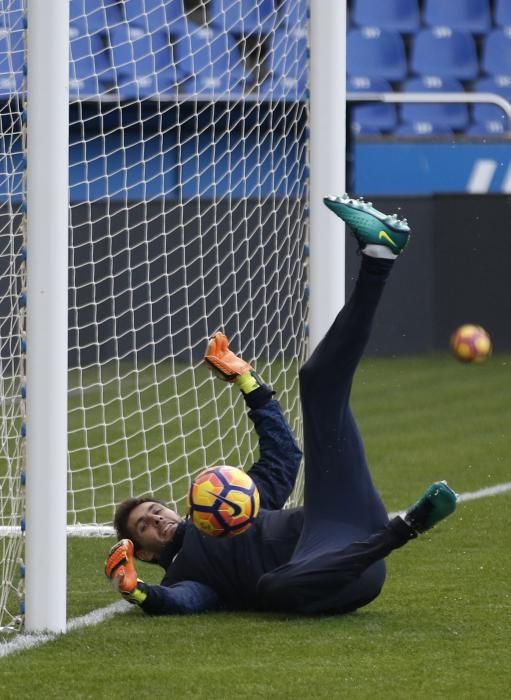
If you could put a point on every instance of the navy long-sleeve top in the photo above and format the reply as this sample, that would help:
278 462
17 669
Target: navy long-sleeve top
206 573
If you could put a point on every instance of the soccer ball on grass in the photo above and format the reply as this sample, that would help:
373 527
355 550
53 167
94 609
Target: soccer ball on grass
471 343
223 501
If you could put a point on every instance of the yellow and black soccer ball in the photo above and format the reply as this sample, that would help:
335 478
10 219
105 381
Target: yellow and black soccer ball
471 344
223 501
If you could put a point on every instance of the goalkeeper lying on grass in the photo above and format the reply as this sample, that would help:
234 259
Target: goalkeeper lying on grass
327 556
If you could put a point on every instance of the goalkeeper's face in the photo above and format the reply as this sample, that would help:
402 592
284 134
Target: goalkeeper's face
153 526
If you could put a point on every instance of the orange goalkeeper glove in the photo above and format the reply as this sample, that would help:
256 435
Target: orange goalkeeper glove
120 570
223 361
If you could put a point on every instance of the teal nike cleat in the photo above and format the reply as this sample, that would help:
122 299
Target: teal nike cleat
436 503
370 226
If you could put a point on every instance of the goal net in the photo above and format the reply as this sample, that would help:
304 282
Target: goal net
188 214
12 311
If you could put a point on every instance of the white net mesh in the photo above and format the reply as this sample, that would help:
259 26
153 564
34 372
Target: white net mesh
12 321
188 189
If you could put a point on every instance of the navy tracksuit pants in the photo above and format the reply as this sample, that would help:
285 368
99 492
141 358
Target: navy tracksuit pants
337 565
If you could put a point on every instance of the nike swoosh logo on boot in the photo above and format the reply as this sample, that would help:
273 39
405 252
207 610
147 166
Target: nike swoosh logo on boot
385 236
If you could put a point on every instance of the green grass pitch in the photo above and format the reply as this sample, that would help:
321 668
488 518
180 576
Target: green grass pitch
440 628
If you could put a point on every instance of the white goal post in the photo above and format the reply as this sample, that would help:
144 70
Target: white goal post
47 118
163 178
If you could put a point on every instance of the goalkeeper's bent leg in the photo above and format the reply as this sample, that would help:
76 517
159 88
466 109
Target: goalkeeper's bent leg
323 578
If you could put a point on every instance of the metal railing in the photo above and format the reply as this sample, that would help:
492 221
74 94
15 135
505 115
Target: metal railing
434 97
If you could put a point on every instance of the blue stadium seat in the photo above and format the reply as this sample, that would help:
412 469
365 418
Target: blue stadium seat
286 62
496 55
439 114
502 13
422 129
487 112
358 129
90 61
371 117
143 62
92 16
213 62
394 15
490 128
376 53
448 53
243 17
467 15
156 15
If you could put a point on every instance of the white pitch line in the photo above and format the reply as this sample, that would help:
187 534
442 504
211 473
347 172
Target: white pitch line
474 495
28 641
483 493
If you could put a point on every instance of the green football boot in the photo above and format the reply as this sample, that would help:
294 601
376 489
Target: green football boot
370 226
436 503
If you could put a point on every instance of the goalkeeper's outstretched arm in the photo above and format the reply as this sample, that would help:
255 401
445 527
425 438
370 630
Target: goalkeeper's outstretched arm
185 598
279 459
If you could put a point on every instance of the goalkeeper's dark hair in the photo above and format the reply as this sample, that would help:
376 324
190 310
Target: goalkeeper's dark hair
122 514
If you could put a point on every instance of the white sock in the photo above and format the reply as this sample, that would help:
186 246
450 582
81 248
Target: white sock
378 251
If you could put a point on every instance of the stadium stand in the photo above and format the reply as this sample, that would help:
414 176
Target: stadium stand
12 15
502 13
157 15
359 129
93 16
441 115
449 46
484 113
376 53
91 70
419 45
143 62
212 60
496 55
12 44
445 52
11 63
371 117
466 15
393 15
285 57
292 16
490 128
243 17
422 129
